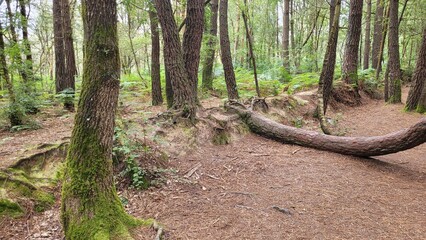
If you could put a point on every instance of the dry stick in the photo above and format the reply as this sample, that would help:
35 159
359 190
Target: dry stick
402 12
192 171
250 43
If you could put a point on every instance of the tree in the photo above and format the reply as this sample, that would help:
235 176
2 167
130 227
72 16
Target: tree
65 68
184 98
367 43
350 58
325 83
207 77
225 50
157 97
15 116
286 34
419 78
192 38
377 36
91 208
356 146
28 66
394 92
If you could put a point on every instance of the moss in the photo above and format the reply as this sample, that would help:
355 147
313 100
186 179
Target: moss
221 137
43 200
421 109
10 209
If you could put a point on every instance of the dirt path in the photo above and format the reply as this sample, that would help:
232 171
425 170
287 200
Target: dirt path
256 188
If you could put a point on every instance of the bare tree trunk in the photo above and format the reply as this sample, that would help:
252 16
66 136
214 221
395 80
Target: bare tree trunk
367 36
211 45
184 100
393 48
350 60
70 67
250 43
332 10
286 34
58 32
157 97
225 49
192 38
325 83
382 46
132 47
378 32
419 77
421 106
357 146
90 207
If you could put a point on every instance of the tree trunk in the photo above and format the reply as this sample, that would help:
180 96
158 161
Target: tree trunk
192 38
17 58
211 46
377 36
225 49
350 59
157 97
419 77
332 10
393 48
325 84
28 66
421 106
91 208
15 117
184 100
357 146
367 36
382 47
70 67
250 43
58 32
286 34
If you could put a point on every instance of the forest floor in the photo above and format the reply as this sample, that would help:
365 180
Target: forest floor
255 188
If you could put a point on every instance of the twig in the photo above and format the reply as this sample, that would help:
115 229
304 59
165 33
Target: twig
159 229
192 171
212 176
282 210
295 151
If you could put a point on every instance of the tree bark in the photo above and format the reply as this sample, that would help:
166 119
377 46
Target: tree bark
157 97
91 208
325 83
192 38
367 42
70 67
421 106
286 34
393 48
377 36
384 32
356 146
28 66
207 79
350 60
58 32
419 77
184 100
225 49
250 43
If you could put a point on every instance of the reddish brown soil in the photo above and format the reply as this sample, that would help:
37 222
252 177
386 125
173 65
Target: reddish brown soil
239 189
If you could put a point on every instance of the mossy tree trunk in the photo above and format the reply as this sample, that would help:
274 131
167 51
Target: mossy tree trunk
184 100
207 77
367 44
192 38
419 77
15 117
28 64
91 208
350 59
394 91
157 97
286 35
377 35
225 49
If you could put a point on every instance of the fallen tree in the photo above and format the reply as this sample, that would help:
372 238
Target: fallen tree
357 146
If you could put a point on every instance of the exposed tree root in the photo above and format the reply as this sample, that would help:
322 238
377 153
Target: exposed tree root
357 146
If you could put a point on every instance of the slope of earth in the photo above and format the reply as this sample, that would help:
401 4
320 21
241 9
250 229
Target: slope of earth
256 188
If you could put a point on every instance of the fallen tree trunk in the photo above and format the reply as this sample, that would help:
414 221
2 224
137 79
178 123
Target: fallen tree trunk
356 146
